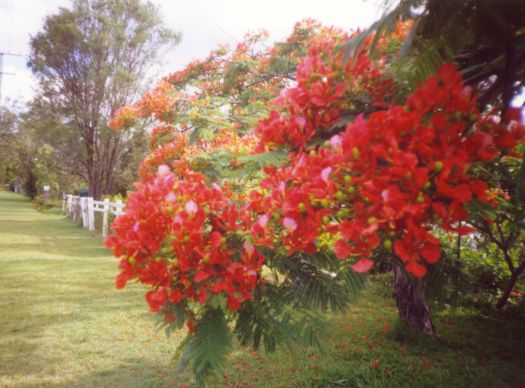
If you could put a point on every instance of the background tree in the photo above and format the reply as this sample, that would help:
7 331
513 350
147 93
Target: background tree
90 60
8 155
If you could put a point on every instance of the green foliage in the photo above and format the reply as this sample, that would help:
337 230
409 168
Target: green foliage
486 268
272 158
272 319
474 276
206 349
53 206
321 281
126 170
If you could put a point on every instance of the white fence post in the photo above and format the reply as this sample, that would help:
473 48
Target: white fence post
76 208
83 206
119 206
105 217
90 213
68 205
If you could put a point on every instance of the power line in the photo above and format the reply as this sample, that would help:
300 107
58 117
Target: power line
218 26
2 68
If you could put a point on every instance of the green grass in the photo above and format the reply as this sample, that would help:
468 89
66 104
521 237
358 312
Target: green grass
368 347
62 323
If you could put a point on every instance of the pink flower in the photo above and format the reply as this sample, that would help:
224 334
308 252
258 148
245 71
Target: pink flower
263 221
191 208
300 121
249 248
336 141
363 265
289 224
170 197
325 174
163 170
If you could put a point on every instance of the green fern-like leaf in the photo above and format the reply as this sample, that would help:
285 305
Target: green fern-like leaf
318 281
272 158
206 349
272 319
315 288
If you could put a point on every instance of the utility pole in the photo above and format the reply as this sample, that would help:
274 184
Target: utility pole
2 72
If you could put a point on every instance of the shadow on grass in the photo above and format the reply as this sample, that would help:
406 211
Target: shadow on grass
137 372
22 349
55 236
19 339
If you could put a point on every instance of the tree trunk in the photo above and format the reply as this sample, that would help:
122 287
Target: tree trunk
510 286
412 307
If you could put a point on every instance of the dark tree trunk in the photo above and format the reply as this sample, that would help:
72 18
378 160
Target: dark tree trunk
510 286
412 307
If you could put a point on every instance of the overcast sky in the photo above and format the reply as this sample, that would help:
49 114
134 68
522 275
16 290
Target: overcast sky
204 24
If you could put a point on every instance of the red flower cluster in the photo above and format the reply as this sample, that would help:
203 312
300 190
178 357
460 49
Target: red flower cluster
179 236
164 153
324 86
388 178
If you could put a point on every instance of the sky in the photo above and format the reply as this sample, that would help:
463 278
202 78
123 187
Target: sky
204 25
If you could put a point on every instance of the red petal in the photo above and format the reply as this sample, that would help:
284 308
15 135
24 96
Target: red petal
370 229
200 276
399 249
216 239
449 73
233 304
156 299
217 287
341 249
175 296
202 296
416 269
462 193
121 280
464 230
431 253
363 265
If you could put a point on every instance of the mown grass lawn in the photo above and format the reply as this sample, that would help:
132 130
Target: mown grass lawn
62 323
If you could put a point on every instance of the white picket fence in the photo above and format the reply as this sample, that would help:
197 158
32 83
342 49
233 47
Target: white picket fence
84 209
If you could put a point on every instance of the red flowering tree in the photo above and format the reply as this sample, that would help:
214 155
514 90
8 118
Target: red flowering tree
276 177
485 41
